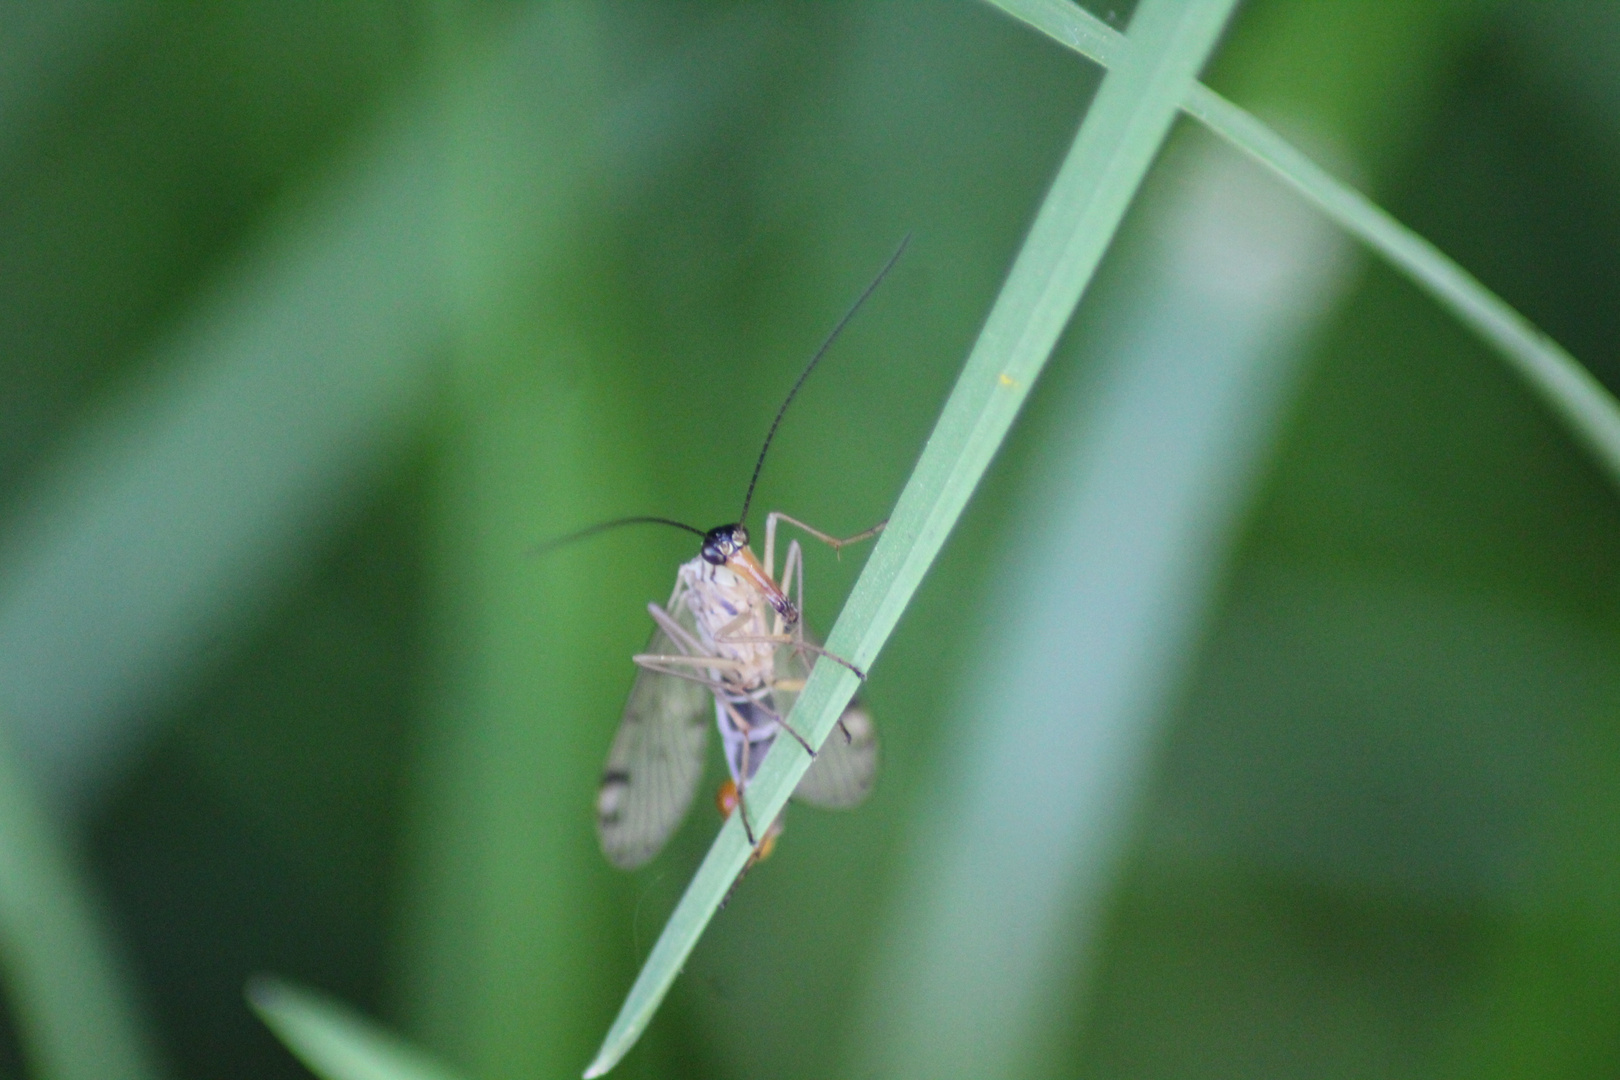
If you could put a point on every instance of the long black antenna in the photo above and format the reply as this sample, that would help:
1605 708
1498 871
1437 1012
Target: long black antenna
561 541
811 366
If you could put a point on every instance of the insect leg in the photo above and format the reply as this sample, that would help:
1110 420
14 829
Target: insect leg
726 637
781 722
831 541
789 639
744 617
761 851
660 665
793 566
793 575
683 667
742 771
678 633
770 550
794 563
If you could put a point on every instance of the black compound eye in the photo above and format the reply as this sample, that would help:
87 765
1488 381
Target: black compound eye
722 542
717 545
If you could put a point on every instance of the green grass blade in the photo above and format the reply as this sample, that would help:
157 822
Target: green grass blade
1069 24
1122 132
335 1042
75 1013
1575 396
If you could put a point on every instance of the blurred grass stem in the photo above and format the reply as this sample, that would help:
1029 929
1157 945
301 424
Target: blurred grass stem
335 1042
75 1011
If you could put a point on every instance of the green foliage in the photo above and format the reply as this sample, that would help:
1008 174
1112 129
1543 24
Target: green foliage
1117 142
499 271
333 1041
75 1013
1574 393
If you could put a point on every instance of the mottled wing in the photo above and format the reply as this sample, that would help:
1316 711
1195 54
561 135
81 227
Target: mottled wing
655 763
845 768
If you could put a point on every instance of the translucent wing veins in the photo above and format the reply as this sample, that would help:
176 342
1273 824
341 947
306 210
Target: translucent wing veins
845 767
655 762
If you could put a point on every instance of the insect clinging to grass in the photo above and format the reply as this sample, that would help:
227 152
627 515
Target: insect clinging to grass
730 640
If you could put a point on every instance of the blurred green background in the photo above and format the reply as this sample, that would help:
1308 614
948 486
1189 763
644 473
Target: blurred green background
315 319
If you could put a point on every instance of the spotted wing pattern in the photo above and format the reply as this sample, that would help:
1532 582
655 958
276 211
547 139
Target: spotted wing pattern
655 763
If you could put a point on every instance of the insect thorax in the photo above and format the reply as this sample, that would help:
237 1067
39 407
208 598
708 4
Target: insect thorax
716 596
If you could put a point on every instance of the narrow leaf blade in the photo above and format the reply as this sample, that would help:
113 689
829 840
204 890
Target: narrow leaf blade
335 1042
1117 142
1575 396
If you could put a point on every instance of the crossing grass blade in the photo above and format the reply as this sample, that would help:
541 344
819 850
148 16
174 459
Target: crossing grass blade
1121 134
334 1042
1576 397
75 1011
